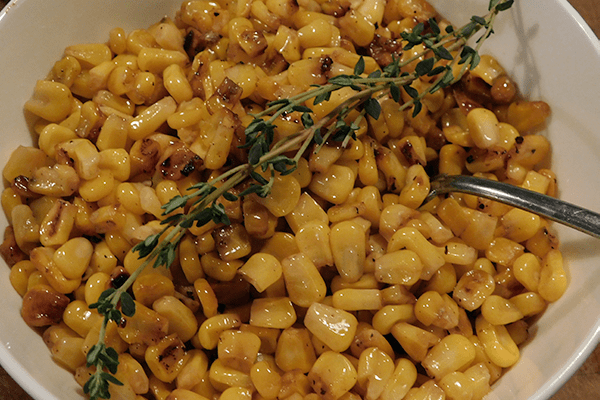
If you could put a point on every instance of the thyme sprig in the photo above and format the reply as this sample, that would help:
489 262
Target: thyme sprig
436 62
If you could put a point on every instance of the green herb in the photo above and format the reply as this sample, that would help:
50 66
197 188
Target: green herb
160 249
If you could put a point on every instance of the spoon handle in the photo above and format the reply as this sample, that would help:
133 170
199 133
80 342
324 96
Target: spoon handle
557 210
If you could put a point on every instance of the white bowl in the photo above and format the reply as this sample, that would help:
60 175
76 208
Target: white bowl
545 46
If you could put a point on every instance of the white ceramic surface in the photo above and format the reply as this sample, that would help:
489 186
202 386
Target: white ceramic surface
544 45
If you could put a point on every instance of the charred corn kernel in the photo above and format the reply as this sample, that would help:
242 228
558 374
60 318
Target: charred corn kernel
432 308
58 181
216 268
207 297
529 303
500 311
211 329
333 185
54 134
527 269
520 225
19 276
295 350
332 375
272 313
348 248
80 318
306 210
258 220
473 288
357 299
413 240
151 118
232 242
223 377
177 84
553 279
58 223
388 316
181 319
73 257
497 343
313 241
194 369
166 358
414 340
375 369
452 353
366 337
303 281
238 350
95 285
51 101
265 379
335 327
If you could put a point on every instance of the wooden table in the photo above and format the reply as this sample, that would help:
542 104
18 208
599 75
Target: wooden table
584 385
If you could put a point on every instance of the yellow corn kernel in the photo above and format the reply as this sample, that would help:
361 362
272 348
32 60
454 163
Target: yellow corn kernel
42 258
332 375
529 303
272 313
151 118
504 251
19 276
194 369
51 101
452 353
313 241
500 311
497 343
432 308
95 285
348 248
261 270
357 299
527 269
335 327
54 134
56 227
58 181
232 242
398 267
333 185
414 340
402 379
265 379
520 225
238 350
390 315
131 371
157 60
416 187
413 240
207 297
483 128
80 318
553 279
216 268
181 319
223 377
295 350
166 358
306 210
73 257
473 288
68 352
481 357
303 281
284 196
375 369
211 329
177 84
145 327
117 162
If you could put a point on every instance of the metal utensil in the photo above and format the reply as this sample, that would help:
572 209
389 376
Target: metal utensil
554 209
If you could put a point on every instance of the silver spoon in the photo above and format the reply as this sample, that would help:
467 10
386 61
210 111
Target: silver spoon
556 210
